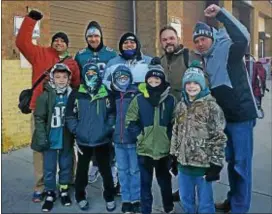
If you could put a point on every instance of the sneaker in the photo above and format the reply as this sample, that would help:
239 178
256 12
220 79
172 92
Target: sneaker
64 195
225 206
117 190
127 207
48 204
83 205
171 212
110 206
175 196
82 201
136 207
94 174
38 196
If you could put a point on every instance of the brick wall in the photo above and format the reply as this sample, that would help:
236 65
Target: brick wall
16 130
16 127
146 25
18 8
192 12
263 7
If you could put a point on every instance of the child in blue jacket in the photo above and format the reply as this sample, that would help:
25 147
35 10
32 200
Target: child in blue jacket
90 117
125 146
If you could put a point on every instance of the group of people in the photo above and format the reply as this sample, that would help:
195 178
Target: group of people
180 114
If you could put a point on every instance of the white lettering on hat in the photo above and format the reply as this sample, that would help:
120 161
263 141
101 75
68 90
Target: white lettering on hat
130 38
93 31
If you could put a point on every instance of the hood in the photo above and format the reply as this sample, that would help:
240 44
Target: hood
219 36
142 89
96 25
138 55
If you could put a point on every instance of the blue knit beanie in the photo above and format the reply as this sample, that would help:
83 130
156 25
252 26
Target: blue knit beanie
202 29
194 74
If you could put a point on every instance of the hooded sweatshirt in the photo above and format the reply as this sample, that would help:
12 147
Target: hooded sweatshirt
138 65
90 116
101 55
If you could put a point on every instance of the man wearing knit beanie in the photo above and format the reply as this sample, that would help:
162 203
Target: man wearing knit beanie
41 59
223 52
60 43
98 53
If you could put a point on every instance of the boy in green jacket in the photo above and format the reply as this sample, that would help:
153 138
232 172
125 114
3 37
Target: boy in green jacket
152 112
52 138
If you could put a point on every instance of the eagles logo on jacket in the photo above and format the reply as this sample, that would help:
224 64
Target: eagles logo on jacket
90 118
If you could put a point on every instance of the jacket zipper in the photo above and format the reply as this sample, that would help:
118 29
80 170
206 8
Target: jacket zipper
121 117
121 114
187 124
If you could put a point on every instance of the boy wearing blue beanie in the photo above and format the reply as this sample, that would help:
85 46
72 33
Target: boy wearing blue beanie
198 141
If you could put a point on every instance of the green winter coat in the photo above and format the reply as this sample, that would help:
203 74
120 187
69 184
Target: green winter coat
155 123
43 116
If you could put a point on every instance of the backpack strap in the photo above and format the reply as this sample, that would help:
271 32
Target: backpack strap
186 57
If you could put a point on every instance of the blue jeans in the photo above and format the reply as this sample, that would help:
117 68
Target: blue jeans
188 185
128 171
163 176
51 158
239 152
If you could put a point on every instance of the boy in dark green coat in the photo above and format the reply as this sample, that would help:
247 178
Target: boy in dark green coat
52 138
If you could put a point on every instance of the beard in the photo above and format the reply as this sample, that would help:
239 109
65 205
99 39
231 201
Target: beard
170 48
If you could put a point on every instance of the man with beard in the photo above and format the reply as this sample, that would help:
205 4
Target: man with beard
175 60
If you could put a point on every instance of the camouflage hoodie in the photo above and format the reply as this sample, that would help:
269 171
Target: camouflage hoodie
198 137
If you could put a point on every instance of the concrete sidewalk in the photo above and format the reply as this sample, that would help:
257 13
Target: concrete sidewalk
17 178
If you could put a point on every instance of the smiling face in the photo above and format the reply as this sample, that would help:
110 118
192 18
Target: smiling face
169 41
94 40
154 81
129 45
203 44
192 89
61 79
59 45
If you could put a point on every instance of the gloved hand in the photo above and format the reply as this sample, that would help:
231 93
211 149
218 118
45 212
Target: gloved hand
155 61
36 15
174 165
213 172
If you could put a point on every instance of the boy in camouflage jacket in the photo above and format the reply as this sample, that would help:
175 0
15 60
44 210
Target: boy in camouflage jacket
198 141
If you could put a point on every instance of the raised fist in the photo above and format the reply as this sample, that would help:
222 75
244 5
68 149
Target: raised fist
212 11
36 15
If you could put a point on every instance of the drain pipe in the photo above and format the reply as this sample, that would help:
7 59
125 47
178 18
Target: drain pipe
134 16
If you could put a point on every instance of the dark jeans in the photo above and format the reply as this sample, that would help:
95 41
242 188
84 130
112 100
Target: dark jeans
53 157
112 156
146 165
102 154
